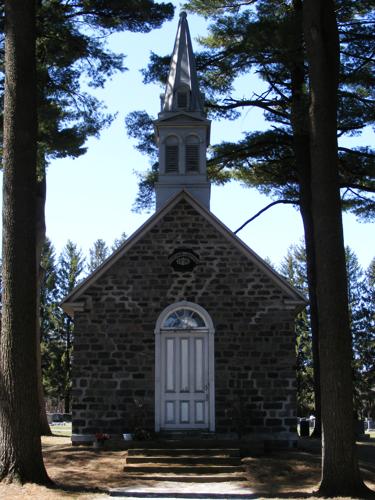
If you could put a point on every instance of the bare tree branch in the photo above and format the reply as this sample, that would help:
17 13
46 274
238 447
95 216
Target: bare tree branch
285 202
358 195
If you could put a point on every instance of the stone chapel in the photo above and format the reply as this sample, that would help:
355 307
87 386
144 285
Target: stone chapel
184 328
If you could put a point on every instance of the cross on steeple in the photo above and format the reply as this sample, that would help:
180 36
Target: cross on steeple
182 129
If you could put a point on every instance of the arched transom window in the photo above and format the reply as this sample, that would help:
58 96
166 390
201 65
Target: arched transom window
183 319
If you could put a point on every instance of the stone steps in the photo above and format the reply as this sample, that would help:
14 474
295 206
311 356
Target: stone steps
193 460
181 452
183 493
192 442
197 468
218 477
183 473
184 464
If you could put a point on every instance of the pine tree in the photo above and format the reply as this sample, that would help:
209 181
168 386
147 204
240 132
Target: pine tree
364 346
356 288
362 327
52 345
71 49
70 271
293 268
340 469
20 446
119 241
98 254
267 38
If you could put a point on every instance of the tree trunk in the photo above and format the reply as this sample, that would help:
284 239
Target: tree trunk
20 446
301 146
340 471
40 239
314 321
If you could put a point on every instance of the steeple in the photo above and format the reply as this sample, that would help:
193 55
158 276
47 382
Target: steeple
182 89
182 129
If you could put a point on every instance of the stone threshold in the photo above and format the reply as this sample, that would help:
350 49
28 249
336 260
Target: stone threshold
183 492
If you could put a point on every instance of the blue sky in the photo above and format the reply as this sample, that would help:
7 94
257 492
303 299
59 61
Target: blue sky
91 197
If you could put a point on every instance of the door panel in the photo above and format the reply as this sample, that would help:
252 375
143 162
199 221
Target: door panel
199 364
184 380
170 412
199 412
184 412
184 365
170 365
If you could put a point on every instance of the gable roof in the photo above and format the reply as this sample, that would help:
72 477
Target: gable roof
71 301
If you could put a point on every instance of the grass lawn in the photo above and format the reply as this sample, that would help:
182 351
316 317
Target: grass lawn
84 473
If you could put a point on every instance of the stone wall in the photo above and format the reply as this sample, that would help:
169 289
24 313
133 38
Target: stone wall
114 348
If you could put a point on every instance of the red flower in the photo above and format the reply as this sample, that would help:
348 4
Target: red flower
101 437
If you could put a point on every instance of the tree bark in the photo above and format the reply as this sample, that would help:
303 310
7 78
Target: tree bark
301 146
20 446
340 471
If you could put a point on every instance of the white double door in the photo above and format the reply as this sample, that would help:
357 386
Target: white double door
184 381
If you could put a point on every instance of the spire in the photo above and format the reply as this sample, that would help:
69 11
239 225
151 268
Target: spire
182 129
182 91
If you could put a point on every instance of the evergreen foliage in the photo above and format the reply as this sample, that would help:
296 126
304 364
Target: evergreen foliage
361 297
52 345
98 253
59 277
57 328
261 37
119 241
73 57
362 321
293 268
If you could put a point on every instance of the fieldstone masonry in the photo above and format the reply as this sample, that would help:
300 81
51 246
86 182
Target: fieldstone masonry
114 348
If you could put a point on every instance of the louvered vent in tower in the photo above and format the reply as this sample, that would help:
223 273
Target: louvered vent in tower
192 154
171 155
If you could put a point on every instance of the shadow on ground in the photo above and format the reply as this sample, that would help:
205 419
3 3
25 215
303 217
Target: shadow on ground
82 472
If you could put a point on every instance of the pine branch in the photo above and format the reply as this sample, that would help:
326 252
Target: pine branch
239 103
357 153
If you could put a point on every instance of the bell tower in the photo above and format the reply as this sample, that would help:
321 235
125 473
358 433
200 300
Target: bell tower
182 129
